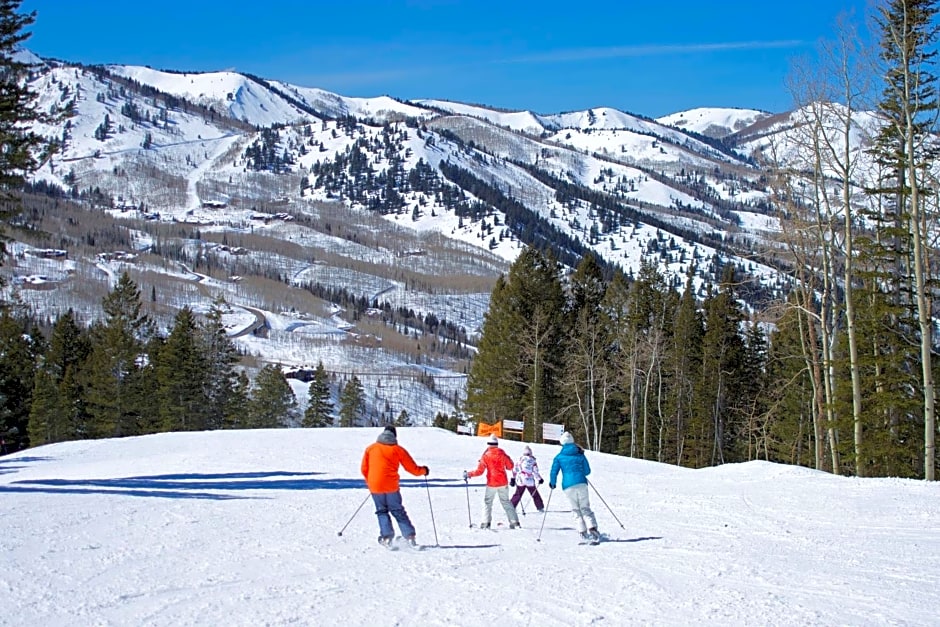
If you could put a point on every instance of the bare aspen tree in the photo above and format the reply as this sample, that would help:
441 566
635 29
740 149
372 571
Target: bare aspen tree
840 84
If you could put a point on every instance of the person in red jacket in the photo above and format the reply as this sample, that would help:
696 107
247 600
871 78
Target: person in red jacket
380 464
495 462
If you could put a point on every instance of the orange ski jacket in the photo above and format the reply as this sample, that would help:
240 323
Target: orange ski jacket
380 466
495 462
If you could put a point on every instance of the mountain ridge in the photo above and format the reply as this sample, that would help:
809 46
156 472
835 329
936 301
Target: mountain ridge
246 180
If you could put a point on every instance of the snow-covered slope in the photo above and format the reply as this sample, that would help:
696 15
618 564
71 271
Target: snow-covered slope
262 102
241 97
223 160
713 121
523 121
241 528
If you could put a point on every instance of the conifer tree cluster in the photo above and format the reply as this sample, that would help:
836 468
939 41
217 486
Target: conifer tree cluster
120 378
638 369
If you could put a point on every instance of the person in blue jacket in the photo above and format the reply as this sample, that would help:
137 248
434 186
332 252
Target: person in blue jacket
574 468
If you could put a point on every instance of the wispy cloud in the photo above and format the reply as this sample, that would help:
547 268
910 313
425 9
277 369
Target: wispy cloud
613 52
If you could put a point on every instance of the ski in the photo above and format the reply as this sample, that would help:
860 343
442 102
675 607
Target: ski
402 543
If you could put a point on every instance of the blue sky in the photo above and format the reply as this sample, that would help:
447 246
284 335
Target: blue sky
649 57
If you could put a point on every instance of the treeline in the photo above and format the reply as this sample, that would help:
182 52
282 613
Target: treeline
119 377
640 369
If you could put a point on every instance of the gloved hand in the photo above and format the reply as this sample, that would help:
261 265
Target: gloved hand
426 470
551 486
465 475
541 481
512 482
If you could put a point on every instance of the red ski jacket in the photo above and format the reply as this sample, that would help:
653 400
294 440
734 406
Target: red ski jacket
495 462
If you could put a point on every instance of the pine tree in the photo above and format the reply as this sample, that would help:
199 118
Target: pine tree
17 369
238 406
589 379
57 413
18 145
180 371
490 384
750 399
403 419
906 148
68 347
115 386
273 404
219 359
615 312
722 358
351 403
683 363
47 422
514 374
319 412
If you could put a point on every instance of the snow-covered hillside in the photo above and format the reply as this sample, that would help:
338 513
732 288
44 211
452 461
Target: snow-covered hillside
203 152
713 121
277 198
241 528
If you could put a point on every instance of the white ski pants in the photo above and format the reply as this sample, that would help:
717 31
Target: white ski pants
503 494
581 506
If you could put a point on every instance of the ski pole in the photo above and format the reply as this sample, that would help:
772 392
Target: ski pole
354 514
431 507
521 504
545 515
606 505
469 519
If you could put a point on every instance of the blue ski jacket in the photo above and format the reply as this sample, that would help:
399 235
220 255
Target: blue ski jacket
573 465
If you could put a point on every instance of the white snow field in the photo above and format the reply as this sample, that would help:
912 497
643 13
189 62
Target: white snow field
241 528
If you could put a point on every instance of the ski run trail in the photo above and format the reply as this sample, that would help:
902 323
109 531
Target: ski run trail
242 528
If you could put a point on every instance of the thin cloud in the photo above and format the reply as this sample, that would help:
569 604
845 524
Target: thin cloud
614 52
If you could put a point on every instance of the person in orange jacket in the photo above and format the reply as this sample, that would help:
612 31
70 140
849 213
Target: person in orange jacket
495 462
380 464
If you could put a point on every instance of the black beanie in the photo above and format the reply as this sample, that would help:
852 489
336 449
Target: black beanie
392 429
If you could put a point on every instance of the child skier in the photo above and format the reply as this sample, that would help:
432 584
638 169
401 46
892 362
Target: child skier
380 468
575 468
495 462
525 476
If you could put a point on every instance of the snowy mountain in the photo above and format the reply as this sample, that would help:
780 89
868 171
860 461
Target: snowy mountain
714 122
241 528
291 202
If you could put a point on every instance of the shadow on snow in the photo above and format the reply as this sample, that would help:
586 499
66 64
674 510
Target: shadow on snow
166 494
198 486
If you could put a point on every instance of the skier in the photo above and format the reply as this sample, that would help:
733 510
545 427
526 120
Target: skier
574 467
380 468
495 462
525 476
